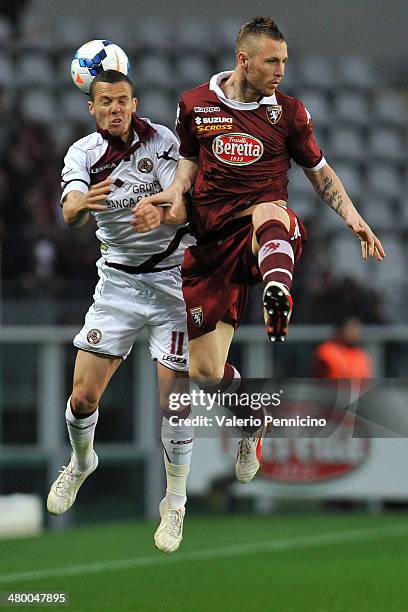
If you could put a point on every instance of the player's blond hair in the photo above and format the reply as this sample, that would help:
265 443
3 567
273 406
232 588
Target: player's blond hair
258 26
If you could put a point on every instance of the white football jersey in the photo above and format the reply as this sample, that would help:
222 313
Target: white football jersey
145 168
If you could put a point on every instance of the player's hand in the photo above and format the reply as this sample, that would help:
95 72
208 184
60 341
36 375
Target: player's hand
370 245
95 198
146 217
175 214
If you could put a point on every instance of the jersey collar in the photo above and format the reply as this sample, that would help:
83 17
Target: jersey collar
215 87
142 131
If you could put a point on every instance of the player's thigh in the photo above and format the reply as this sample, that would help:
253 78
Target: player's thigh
208 353
167 326
266 211
116 316
174 387
92 374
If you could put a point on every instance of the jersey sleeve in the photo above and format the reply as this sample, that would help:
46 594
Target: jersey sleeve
185 130
302 144
75 174
166 155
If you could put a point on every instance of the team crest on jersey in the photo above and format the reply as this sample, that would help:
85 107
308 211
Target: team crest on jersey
274 113
94 336
145 165
197 315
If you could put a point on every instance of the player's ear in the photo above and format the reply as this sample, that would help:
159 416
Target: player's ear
243 59
91 107
135 103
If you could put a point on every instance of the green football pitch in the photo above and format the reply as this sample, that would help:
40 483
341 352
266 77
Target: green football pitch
305 563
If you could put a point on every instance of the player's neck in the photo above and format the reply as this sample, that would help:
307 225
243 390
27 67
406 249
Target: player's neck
128 136
238 89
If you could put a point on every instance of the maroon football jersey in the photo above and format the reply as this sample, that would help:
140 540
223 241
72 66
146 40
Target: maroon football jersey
243 150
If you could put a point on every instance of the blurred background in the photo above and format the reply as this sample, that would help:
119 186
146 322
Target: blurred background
348 63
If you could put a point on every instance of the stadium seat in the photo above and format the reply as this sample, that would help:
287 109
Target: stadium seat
346 257
7 69
383 179
355 71
74 108
64 69
379 211
6 32
390 108
306 205
385 143
72 32
159 107
35 32
392 270
346 142
195 34
153 34
316 71
192 69
153 70
351 107
35 69
224 61
117 30
39 105
226 32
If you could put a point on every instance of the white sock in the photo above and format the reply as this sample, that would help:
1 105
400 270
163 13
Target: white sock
176 483
178 440
81 434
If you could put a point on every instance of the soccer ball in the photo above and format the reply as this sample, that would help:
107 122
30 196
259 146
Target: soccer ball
94 57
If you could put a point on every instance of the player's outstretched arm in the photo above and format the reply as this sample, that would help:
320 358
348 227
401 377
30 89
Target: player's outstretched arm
77 205
331 190
143 218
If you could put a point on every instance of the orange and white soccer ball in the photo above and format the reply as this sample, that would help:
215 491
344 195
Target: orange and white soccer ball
94 57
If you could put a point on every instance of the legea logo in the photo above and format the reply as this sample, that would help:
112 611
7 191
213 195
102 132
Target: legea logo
237 149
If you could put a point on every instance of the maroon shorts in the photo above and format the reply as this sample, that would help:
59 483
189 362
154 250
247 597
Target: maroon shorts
217 276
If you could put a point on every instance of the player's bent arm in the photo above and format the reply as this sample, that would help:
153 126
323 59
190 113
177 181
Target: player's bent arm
73 212
77 204
186 173
331 190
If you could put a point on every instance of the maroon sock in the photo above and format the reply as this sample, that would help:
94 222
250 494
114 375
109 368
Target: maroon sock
275 257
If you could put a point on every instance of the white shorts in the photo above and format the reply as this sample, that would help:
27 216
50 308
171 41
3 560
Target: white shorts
125 304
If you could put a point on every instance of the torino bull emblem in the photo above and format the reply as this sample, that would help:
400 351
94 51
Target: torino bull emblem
197 315
274 113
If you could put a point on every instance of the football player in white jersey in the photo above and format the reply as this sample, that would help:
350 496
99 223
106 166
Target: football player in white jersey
105 175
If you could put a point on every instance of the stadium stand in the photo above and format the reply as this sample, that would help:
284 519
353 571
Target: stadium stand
362 132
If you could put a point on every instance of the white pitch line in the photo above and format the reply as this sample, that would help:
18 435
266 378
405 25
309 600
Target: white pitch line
336 537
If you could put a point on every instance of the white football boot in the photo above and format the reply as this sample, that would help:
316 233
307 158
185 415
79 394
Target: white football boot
170 531
64 490
249 458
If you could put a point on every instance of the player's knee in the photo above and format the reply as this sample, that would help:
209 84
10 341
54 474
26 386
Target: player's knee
269 210
83 402
206 371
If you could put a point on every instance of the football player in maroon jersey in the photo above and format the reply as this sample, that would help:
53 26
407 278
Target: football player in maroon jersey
238 134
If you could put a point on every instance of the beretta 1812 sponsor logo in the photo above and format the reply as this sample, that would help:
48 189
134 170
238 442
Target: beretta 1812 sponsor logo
237 149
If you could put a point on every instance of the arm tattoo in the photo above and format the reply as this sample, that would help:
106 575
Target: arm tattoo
331 196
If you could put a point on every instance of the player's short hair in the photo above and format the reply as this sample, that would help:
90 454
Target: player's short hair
110 76
258 26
